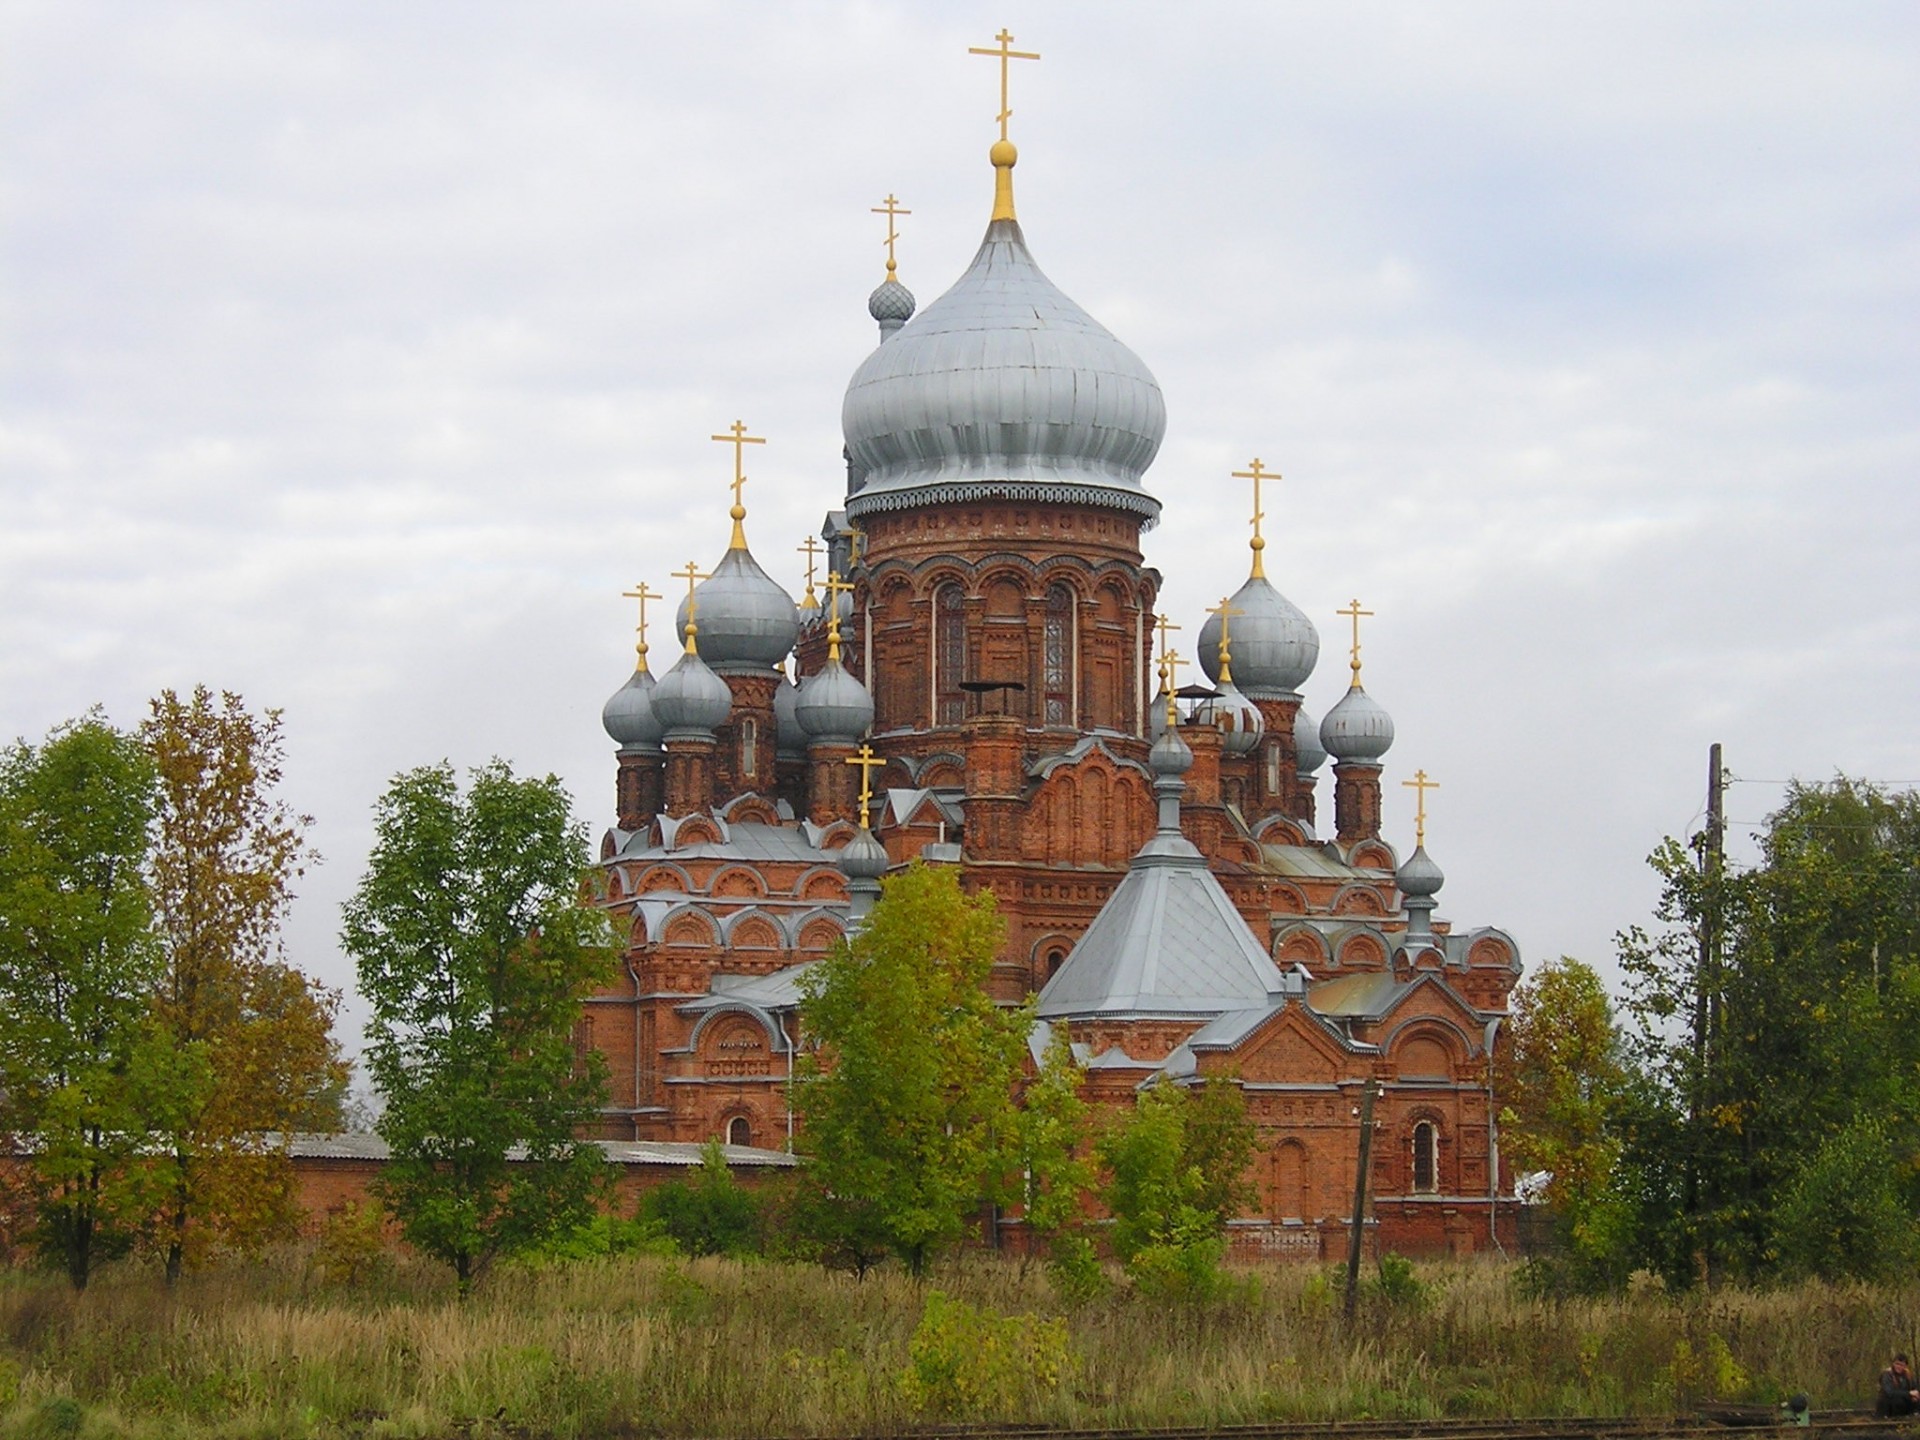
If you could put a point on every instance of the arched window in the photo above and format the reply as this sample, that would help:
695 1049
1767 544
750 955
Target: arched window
739 1131
749 745
1273 767
949 655
1057 658
1426 1169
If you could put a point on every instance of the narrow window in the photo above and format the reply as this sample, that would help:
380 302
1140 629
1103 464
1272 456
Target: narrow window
1057 658
749 745
1425 1177
739 1132
1273 767
949 655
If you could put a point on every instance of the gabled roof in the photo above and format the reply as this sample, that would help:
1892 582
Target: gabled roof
1167 942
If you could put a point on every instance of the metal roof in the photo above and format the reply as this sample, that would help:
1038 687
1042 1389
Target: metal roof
620 1152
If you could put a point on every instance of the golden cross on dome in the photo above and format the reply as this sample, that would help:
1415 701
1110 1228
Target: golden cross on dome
642 594
1170 663
868 763
855 538
1419 784
1225 611
1005 54
693 577
1163 625
738 438
1256 472
1354 613
812 550
892 211
835 588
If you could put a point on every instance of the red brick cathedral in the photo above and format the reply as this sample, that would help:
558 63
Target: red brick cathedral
982 656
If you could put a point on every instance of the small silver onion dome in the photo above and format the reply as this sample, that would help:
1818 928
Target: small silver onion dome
1357 728
1308 753
891 304
1157 714
833 706
1274 643
864 858
1418 876
1170 755
747 622
628 714
790 741
1003 387
1237 718
690 698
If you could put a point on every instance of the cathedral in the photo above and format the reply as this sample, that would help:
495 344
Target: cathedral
976 676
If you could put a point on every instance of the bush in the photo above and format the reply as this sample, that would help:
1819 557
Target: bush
965 1361
1843 1217
714 1215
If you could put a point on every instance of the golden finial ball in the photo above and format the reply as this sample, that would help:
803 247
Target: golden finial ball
1259 542
1003 154
738 512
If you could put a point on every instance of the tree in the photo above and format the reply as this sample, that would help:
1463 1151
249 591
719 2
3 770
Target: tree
474 949
1176 1174
1567 1087
906 1095
224 858
713 1215
77 963
1050 1130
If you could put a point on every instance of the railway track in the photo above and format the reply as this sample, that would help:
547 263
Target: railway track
1714 1425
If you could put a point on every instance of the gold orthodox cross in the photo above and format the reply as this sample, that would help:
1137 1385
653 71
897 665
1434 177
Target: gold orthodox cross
868 763
1163 625
1005 54
693 577
835 588
812 550
891 210
855 536
1354 612
1225 611
642 594
1256 472
738 438
1170 663
1419 784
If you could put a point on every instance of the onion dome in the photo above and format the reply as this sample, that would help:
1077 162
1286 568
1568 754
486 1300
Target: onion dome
1308 753
808 611
1358 728
1274 644
1237 718
864 858
1157 712
628 714
1170 756
1418 876
690 699
747 622
1003 387
891 305
832 706
790 741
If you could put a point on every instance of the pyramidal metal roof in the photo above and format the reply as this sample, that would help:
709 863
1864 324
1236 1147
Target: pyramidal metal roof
1167 942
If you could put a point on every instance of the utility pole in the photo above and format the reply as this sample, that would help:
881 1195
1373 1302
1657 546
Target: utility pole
1706 979
1360 1197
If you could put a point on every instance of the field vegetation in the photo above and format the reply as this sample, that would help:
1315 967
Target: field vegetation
644 1345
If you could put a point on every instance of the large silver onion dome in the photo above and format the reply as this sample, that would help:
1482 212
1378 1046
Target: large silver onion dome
790 741
1308 753
833 706
747 622
628 715
1274 644
1003 387
1237 718
690 699
1358 728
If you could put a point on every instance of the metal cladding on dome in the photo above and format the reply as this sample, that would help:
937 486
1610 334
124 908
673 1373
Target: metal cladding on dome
747 622
1308 754
1358 728
1003 387
790 741
1169 755
891 304
1274 643
690 699
1419 876
863 857
1237 718
628 714
833 707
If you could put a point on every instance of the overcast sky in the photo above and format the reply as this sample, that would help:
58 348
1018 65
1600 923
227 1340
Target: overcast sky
356 356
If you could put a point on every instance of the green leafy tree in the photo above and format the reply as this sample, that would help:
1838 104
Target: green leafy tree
474 949
1056 1169
1566 1087
224 857
1176 1174
80 1065
714 1214
907 1091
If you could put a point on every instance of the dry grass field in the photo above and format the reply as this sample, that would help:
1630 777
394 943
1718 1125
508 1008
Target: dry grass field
644 1346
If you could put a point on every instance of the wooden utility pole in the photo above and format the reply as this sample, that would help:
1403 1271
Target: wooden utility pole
1360 1196
1706 978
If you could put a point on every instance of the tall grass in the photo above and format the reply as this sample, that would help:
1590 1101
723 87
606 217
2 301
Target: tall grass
714 1347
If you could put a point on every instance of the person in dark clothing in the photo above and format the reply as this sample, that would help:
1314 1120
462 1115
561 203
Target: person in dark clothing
1899 1390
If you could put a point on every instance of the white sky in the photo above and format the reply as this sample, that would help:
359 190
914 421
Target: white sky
355 356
